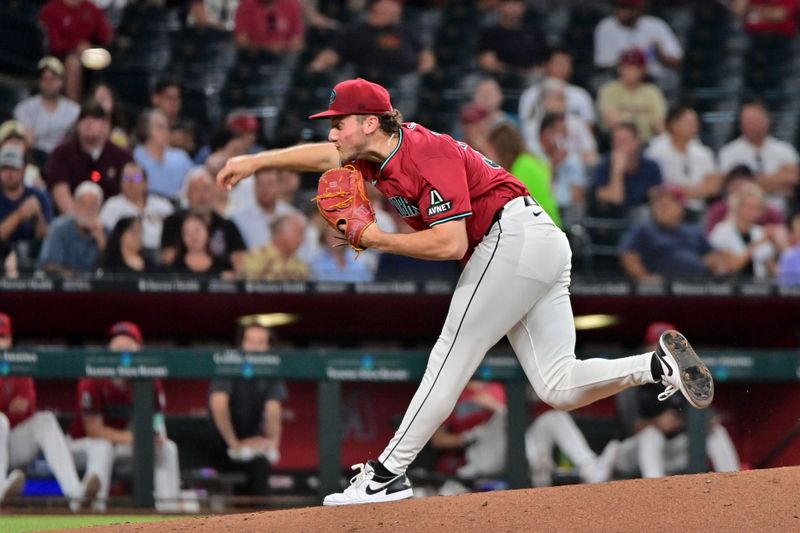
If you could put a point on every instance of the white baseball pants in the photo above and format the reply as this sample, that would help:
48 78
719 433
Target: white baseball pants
516 284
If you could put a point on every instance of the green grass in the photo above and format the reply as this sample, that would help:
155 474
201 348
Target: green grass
20 523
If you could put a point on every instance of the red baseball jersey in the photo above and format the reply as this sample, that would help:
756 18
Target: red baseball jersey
113 399
11 388
431 178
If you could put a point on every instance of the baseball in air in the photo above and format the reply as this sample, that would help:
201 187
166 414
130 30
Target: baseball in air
95 58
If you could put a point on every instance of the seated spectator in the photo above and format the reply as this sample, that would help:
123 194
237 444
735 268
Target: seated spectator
629 99
75 242
767 17
89 154
789 264
225 241
25 212
553 99
13 132
335 262
624 177
103 94
247 416
214 14
754 249
685 162
193 255
657 442
166 167
124 251
535 173
718 210
488 95
134 200
72 26
665 246
630 28
278 260
26 431
774 162
559 66
101 435
380 48
49 116
511 45
167 97
276 26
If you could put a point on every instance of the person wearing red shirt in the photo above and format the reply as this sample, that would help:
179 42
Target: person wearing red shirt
272 25
776 17
73 26
24 432
515 283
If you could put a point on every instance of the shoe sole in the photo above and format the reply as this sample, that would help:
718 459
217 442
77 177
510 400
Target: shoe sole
393 497
15 489
92 488
696 383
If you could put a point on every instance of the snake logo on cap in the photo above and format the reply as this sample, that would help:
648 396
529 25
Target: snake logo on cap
332 98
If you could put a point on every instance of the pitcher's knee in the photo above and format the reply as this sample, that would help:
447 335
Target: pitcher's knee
45 420
561 400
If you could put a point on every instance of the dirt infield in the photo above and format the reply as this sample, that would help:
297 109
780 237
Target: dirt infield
755 500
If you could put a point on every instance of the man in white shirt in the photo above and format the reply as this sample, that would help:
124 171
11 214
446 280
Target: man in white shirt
774 162
135 201
48 114
579 101
686 162
630 28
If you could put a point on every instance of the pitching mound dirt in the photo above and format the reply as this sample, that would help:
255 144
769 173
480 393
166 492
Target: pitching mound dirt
755 500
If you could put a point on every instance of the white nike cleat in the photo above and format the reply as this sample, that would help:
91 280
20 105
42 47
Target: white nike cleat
13 485
366 487
683 371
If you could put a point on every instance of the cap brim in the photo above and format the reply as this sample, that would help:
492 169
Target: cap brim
327 114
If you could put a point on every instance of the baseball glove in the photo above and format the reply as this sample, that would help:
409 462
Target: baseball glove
342 200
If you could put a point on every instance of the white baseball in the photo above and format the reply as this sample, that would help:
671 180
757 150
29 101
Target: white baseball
95 58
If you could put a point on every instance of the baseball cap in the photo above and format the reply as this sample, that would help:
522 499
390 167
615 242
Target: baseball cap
655 330
12 128
665 189
473 113
51 62
634 56
5 325
356 97
12 156
127 328
242 121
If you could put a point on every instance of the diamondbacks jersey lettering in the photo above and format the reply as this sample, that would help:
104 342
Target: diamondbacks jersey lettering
111 399
11 388
430 178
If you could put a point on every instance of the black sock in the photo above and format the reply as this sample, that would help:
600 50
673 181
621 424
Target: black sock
656 368
381 471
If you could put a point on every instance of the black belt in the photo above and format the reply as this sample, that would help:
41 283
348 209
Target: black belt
529 201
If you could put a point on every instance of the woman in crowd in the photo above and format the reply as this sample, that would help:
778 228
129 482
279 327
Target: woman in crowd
123 254
194 256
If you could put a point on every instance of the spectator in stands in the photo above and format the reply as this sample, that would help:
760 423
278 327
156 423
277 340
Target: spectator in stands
247 416
774 162
215 14
511 45
380 48
685 162
225 241
754 248
718 210
135 200
25 431
624 177
553 99
630 28
167 97
166 167
509 147
193 255
629 99
559 67
278 260
49 116
789 264
75 242
100 428
89 154
275 26
237 137
107 98
666 246
335 262
72 26
13 132
25 212
489 95
658 443
770 17
124 253
476 125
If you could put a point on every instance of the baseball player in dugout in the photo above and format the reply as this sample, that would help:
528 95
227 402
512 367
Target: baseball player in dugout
515 279
24 432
